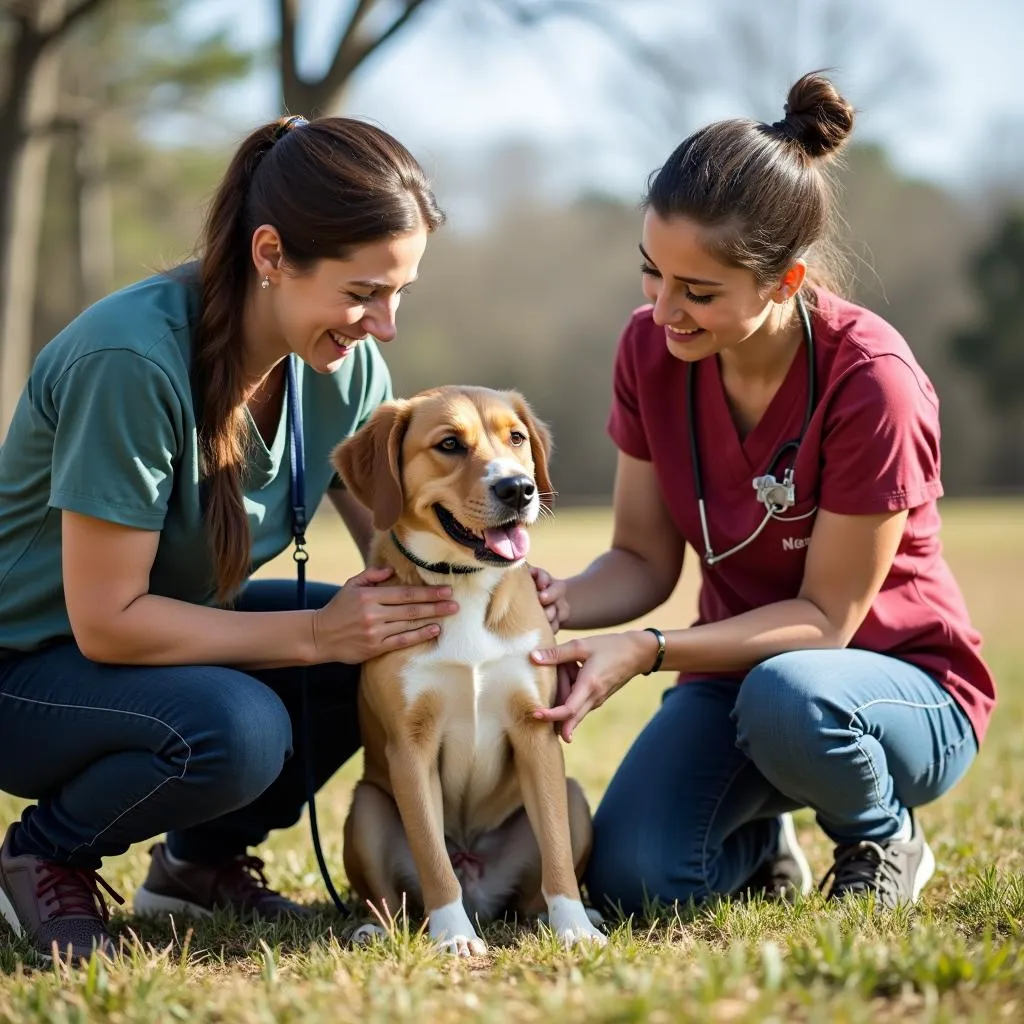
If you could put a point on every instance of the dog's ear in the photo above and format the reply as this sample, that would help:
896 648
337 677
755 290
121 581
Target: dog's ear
540 446
369 462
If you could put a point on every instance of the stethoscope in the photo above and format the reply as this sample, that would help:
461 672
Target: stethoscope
776 495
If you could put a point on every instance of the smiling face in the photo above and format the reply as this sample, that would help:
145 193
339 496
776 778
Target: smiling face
704 305
459 473
323 312
470 477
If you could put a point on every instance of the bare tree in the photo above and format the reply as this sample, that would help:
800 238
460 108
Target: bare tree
359 39
131 66
29 114
759 50
373 23
86 92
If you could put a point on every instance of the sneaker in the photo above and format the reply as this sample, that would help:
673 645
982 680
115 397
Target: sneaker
784 876
197 890
59 908
894 870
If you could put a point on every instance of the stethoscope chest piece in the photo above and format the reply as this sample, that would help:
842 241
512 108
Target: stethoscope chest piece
777 496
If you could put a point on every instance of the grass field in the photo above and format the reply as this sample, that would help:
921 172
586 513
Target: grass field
958 955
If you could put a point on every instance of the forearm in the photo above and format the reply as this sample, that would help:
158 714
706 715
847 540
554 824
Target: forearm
161 631
739 643
617 587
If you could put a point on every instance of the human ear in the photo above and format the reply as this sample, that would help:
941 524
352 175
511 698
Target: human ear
790 282
266 252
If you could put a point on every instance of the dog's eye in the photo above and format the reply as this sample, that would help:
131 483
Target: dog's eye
450 445
516 438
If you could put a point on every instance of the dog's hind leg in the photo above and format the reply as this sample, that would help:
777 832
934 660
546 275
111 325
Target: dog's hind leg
378 861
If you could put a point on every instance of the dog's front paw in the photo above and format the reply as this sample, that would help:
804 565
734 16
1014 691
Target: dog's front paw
463 945
452 930
367 933
573 923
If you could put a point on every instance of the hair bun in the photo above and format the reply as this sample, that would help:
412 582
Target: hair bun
817 117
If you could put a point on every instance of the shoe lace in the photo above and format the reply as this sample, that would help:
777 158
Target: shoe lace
244 880
862 868
75 891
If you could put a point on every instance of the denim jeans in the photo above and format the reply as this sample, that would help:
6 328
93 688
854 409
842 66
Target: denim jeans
114 755
693 809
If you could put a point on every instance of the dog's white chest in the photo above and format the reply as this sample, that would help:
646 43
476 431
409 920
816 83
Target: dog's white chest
468 652
475 673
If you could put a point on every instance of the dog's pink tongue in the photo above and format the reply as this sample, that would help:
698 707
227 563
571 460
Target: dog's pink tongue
511 542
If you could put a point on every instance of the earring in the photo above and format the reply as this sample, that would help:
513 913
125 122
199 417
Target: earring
265 283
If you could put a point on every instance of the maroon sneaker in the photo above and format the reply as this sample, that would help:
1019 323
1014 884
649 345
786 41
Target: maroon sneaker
59 908
197 890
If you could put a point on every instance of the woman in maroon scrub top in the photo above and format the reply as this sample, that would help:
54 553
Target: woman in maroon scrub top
792 440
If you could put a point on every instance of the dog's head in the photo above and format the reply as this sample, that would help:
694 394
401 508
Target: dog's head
462 471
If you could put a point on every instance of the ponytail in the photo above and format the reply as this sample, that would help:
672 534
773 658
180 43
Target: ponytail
218 369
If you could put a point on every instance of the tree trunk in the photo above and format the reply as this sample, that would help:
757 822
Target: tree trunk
324 95
10 144
94 229
27 197
28 111
23 52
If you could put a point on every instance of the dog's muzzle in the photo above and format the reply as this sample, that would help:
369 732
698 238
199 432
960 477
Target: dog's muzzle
514 492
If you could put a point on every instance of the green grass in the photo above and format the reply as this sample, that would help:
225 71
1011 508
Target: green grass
958 955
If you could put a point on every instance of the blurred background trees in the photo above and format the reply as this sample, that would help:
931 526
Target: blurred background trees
992 347
115 124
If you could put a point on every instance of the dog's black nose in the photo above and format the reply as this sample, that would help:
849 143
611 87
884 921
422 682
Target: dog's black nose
514 492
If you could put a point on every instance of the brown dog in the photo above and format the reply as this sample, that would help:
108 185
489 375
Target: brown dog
464 806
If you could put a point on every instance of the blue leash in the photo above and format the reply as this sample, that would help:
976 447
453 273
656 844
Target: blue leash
297 461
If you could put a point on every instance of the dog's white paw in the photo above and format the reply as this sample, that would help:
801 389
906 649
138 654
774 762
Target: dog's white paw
573 923
452 930
595 917
463 945
366 933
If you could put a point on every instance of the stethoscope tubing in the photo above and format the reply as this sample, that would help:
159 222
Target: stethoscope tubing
772 510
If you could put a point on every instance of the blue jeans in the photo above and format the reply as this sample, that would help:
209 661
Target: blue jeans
693 809
114 754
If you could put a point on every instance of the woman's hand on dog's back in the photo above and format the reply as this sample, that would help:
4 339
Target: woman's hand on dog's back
368 617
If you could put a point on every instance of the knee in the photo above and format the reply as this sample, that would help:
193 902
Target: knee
240 738
631 869
614 874
782 707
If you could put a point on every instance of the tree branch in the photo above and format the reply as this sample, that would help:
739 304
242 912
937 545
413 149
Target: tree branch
70 19
288 12
20 11
351 53
61 125
348 37
599 17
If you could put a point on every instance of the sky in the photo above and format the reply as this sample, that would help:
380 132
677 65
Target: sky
938 82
